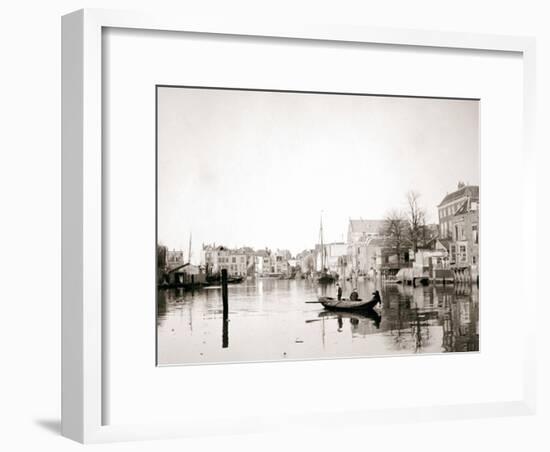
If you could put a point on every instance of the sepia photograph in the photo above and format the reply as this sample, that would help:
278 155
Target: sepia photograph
314 225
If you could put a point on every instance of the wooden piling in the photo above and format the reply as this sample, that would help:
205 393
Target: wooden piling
225 302
225 298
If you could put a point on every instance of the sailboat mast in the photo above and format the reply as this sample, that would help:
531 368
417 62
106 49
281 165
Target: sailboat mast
322 246
190 236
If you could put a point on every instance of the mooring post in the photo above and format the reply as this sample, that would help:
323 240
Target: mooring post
225 301
224 293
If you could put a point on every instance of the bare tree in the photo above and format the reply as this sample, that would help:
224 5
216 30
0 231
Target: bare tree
162 252
396 229
309 264
416 219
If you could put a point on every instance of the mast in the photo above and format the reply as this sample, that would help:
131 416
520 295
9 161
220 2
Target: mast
322 246
189 258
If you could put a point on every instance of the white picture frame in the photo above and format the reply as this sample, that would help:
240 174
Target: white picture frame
83 347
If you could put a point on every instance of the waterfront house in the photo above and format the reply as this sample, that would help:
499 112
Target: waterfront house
362 255
464 252
454 201
262 261
279 262
237 262
272 263
184 275
433 263
359 232
459 226
387 257
174 257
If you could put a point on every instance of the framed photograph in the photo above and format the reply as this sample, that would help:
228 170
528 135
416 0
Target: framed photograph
256 215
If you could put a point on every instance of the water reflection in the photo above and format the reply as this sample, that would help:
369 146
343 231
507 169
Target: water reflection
270 320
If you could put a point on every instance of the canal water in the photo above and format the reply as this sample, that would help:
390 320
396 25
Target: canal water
270 320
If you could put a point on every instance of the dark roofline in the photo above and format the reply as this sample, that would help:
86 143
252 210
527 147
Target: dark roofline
457 194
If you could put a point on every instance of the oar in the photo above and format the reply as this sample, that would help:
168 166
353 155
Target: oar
313 302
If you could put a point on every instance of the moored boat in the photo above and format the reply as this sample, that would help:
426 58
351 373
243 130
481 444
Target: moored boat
347 304
324 276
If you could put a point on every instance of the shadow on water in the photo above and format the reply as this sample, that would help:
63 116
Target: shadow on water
369 317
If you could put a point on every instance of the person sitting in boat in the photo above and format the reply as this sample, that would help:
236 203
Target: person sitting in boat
376 298
339 291
354 296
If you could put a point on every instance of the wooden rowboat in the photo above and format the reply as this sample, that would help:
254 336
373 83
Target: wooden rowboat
346 304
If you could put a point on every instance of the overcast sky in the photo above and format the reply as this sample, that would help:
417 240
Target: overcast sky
257 168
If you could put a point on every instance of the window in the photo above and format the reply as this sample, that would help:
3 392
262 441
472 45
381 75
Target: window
453 253
233 259
474 260
474 233
462 248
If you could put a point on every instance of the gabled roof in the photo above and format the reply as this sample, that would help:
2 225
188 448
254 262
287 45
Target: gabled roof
468 190
387 242
378 241
367 226
446 243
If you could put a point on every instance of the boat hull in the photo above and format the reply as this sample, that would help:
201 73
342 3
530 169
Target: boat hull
347 305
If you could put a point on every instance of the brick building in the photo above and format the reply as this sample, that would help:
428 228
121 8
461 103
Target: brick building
454 201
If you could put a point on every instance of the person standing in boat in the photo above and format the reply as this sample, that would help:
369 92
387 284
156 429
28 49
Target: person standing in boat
339 291
354 296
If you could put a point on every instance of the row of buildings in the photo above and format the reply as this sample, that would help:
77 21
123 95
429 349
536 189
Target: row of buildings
451 245
448 249
246 261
